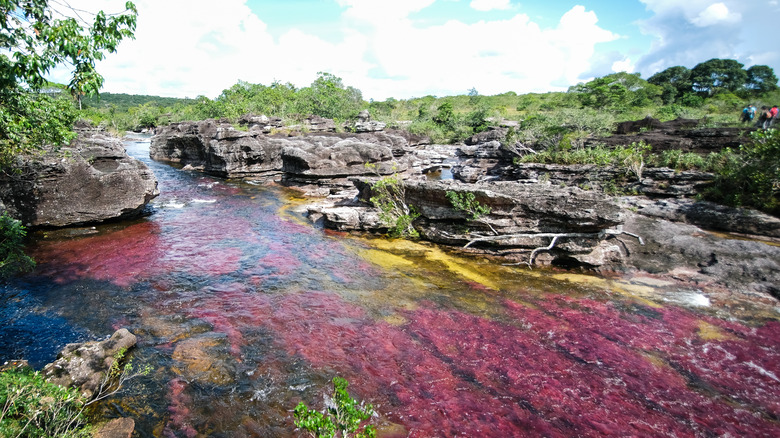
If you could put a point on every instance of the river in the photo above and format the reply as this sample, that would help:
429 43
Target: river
242 309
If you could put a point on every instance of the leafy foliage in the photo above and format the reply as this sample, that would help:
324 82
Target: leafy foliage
12 256
342 416
390 198
468 203
32 42
617 91
30 120
751 176
328 97
33 407
712 77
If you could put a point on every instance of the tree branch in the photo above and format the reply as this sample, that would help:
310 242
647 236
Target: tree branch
554 239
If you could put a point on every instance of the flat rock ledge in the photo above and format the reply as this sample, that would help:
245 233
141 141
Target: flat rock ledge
93 180
596 232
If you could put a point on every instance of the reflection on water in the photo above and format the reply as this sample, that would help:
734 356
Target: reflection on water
243 309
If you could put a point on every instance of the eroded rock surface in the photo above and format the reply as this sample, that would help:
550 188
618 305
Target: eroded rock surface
85 365
317 158
92 180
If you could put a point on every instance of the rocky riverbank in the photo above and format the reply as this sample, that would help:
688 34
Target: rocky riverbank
91 180
538 214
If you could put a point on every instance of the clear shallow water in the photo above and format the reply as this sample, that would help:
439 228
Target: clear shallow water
243 309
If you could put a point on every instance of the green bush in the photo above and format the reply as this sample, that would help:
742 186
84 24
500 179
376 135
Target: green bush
12 256
751 176
342 416
390 198
33 407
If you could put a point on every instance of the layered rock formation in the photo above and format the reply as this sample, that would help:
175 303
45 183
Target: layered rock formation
316 158
521 219
92 180
545 214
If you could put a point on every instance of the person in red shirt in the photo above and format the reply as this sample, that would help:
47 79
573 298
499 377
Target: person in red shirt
774 117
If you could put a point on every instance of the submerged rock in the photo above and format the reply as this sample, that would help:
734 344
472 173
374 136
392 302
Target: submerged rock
116 428
92 180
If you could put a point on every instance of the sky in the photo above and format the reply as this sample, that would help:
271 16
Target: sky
413 48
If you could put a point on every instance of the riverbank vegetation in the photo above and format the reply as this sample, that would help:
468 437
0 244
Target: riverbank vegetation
559 127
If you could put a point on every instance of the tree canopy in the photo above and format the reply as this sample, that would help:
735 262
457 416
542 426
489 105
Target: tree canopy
35 37
712 77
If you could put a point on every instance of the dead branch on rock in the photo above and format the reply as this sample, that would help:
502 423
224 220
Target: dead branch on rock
554 239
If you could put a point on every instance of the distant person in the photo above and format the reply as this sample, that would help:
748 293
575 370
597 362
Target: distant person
764 118
773 117
748 114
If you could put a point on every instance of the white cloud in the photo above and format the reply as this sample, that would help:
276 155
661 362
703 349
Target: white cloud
190 48
378 11
687 33
624 65
714 14
489 5
515 54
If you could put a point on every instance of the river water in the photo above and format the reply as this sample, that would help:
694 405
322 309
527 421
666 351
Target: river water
243 309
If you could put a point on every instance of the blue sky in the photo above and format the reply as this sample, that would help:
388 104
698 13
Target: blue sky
412 48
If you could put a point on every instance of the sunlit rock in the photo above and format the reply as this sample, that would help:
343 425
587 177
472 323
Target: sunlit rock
85 366
92 180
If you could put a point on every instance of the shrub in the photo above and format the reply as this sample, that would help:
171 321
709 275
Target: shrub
12 256
390 198
33 407
342 416
750 177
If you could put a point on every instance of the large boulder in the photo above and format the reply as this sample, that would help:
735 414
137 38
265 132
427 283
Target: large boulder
686 252
92 180
220 149
86 365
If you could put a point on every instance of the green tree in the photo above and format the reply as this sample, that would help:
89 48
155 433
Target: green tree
617 91
716 75
328 97
32 42
674 81
761 79
445 116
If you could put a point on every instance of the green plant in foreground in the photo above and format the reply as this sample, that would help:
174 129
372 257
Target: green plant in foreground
12 256
342 416
33 407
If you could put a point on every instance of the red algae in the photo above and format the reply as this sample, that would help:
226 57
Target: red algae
558 366
119 257
550 372
179 412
